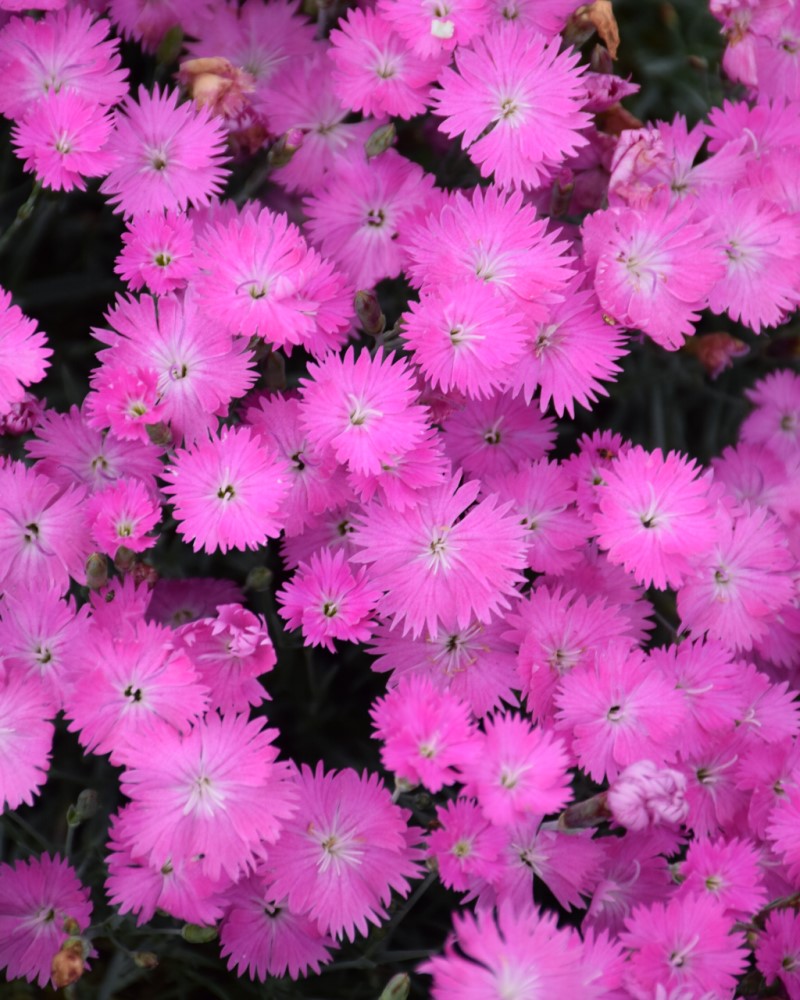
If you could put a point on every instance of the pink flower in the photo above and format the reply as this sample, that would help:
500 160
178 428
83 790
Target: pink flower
569 355
345 853
442 561
687 943
230 652
64 51
123 514
158 251
176 602
43 539
26 739
62 141
361 213
645 794
23 353
520 770
737 588
169 155
434 28
125 401
517 955
134 677
199 367
363 409
729 871
37 897
454 335
465 845
516 100
227 492
328 601
654 268
262 937
778 950
216 791
775 420
427 734
654 513
376 71
618 712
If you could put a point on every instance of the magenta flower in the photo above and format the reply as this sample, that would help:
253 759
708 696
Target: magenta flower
686 943
731 872
431 29
227 492
169 155
376 71
37 897
654 268
655 513
778 950
775 420
444 560
517 100
328 601
123 514
23 353
363 409
263 937
347 850
157 251
507 954
26 738
465 845
217 791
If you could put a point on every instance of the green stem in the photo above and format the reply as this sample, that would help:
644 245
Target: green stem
401 914
24 213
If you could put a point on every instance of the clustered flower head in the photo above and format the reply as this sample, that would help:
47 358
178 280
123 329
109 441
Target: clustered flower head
334 410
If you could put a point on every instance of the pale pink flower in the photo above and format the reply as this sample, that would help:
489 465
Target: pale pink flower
645 795
216 791
158 251
169 155
376 72
37 897
23 354
516 99
655 513
444 560
227 492
345 853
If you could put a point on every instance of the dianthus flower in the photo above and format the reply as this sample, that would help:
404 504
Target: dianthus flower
62 140
775 421
688 943
227 492
362 210
444 560
128 680
64 51
261 936
26 738
517 100
344 854
654 268
363 409
328 601
524 956
376 70
37 897
23 353
158 249
645 794
463 338
123 513
655 513
729 871
176 602
434 28
216 791
199 367
427 734
778 950
465 845
169 155
230 652
519 771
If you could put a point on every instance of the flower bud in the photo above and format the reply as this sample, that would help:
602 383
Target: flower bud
716 351
259 579
380 140
216 83
285 146
84 808
68 963
197 934
96 571
397 988
645 795
145 959
124 559
159 434
369 313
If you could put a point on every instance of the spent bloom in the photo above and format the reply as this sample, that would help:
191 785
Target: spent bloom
645 794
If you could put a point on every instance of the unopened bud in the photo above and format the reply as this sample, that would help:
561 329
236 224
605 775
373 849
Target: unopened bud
124 559
197 934
369 313
159 434
646 795
258 579
285 146
275 371
380 140
96 571
84 808
716 351
170 47
582 815
145 959
144 573
216 83
397 988
68 963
